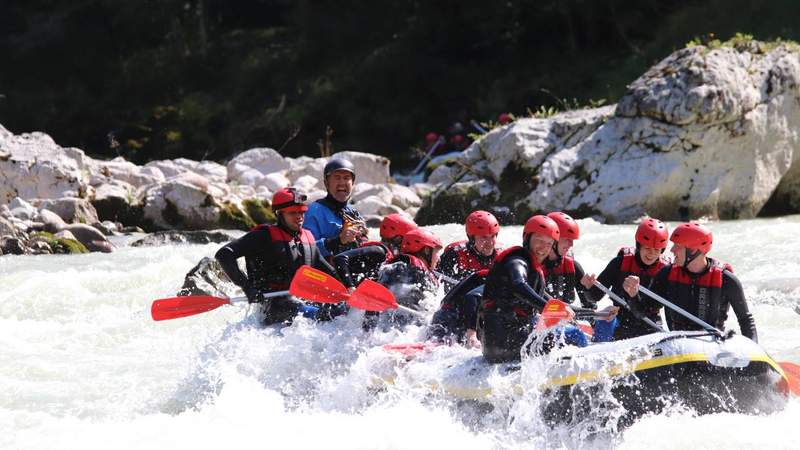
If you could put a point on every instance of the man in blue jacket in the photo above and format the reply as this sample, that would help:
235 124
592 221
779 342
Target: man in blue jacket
333 221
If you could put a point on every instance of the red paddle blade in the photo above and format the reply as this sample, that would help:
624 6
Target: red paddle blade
554 311
792 372
372 296
175 307
410 349
317 286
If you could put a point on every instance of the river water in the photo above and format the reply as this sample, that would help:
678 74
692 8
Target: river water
83 366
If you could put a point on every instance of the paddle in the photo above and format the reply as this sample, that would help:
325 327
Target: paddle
554 311
792 372
624 304
679 310
318 286
177 307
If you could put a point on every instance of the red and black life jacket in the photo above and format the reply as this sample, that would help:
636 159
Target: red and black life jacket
497 296
274 269
630 266
560 279
466 259
700 295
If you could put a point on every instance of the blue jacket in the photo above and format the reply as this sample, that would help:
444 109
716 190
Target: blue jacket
324 219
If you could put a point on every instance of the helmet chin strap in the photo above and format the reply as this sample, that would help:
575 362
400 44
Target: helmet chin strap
691 255
555 250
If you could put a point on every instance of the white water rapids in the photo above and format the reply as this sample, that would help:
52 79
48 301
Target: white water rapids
82 365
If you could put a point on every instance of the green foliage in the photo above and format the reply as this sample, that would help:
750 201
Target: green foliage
205 79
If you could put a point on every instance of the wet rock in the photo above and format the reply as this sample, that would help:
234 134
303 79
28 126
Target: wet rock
208 278
53 223
183 237
91 237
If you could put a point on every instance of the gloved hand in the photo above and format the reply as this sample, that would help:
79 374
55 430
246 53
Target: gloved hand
253 295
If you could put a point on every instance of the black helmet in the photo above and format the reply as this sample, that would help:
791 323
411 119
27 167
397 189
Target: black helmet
339 164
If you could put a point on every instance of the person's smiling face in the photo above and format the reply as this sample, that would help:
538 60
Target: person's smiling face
339 184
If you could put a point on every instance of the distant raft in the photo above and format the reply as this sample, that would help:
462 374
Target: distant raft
697 369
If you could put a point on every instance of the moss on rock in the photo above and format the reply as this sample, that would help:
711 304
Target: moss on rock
231 216
259 210
60 245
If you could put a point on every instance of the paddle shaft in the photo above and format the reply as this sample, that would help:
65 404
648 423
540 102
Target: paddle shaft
446 278
678 309
410 311
622 302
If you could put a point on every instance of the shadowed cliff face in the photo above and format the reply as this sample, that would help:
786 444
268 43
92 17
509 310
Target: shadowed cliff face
206 79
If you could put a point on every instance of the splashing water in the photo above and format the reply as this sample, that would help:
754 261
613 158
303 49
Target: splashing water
84 366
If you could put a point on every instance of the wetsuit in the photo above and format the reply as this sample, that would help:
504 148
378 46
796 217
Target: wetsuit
458 311
356 264
707 295
512 299
410 280
325 218
460 259
273 253
562 279
628 262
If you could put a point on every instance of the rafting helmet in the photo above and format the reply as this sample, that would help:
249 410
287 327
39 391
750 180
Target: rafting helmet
290 200
417 239
652 233
693 236
566 225
395 225
482 223
543 225
339 164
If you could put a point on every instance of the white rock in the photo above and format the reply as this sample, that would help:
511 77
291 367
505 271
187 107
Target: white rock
275 181
22 209
372 169
180 204
7 228
120 170
404 197
306 167
53 223
364 190
262 160
65 234
306 183
371 206
71 210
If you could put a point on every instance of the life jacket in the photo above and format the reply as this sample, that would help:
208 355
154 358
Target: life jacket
389 254
560 279
496 297
630 265
274 268
703 293
466 259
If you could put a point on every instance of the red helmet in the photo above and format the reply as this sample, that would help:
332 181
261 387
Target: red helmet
652 233
288 199
542 225
504 118
482 223
431 137
417 239
693 236
566 225
395 225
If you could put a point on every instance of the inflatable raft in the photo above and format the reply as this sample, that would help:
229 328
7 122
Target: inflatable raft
696 369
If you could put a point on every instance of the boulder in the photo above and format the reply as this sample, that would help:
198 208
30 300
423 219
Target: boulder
372 169
404 197
208 278
181 203
7 228
72 210
22 209
706 132
53 223
274 181
364 190
34 166
262 160
183 237
121 171
92 238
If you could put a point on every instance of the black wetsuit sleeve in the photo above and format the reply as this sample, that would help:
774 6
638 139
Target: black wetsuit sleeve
607 278
586 300
733 292
447 263
322 264
518 277
362 260
246 245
